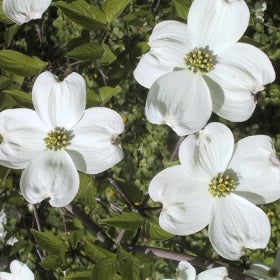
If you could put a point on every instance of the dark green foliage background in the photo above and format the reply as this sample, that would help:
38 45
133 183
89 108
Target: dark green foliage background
103 41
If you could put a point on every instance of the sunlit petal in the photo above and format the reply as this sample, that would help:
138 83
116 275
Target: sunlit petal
24 11
231 92
23 136
218 273
59 103
50 174
251 61
255 163
183 200
181 100
169 44
186 271
95 146
217 24
208 152
18 270
237 224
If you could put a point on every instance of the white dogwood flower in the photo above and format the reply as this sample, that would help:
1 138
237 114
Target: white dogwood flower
19 271
218 184
196 68
57 138
22 11
186 271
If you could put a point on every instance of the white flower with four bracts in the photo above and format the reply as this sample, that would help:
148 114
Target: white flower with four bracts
19 271
186 271
22 11
218 184
57 138
196 68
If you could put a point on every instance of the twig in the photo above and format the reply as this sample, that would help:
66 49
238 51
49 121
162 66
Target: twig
122 194
40 34
91 226
36 216
176 149
156 6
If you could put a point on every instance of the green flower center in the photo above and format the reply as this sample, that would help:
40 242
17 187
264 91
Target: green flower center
200 60
1 139
58 139
221 185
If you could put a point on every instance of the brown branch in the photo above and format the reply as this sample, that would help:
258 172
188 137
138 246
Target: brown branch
91 226
36 216
176 149
119 190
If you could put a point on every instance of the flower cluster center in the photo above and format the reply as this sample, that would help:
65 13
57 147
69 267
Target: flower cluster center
221 185
200 60
58 139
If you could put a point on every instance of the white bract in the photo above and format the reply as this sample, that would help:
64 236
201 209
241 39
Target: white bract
57 138
22 11
218 184
186 271
196 68
19 271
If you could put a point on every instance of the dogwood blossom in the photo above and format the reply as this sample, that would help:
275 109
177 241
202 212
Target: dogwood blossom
186 271
22 11
195 68
19 271
218 184
57 138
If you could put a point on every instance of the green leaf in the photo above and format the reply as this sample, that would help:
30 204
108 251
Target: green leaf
6 102
5 82
129 265
155 232
129 221
10 33
107 93
20 64
93 98
21 97
182 8
87 191
108 56
97 253
83 14
105 269
85 52
76 236
52 262
113 8
84 275
132 192
49 242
